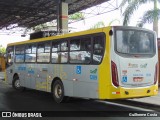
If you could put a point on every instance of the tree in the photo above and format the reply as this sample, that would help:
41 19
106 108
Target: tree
39 27
77 16
98 25
74 17
110 23
2 50
150 16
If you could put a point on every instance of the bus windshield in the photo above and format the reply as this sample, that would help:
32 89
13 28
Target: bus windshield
135 42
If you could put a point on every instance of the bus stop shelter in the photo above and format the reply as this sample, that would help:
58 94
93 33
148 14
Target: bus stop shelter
29 13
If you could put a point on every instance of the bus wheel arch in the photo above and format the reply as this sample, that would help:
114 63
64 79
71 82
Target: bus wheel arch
57 90
16 83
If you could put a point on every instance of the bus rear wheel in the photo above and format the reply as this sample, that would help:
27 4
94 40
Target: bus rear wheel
58 91
16 84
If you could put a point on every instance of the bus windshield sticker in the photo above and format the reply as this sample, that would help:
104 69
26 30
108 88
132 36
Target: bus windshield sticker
143 65
148 75
78 69
93 71
130 65
138 75
93 77
124 72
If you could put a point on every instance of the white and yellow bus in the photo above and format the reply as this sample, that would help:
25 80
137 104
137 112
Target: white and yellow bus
106 63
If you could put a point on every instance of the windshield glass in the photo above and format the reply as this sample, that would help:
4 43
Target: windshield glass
134 42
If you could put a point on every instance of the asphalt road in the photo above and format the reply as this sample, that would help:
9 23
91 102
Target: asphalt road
32 100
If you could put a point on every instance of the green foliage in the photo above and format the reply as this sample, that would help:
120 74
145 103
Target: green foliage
110 23
98 25
39 27
132 6
77 16
148 17
2 50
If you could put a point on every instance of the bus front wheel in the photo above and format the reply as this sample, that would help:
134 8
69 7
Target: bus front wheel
16 84
58 91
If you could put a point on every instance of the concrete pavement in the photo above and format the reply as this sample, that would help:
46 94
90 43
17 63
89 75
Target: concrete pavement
1 75
155 100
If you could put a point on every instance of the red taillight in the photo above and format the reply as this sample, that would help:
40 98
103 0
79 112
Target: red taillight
156 76
114 74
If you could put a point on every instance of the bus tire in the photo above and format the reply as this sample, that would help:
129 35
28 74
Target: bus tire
16 84
58 91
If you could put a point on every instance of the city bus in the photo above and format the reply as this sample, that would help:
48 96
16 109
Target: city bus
115 62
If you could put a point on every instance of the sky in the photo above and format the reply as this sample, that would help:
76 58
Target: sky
81 25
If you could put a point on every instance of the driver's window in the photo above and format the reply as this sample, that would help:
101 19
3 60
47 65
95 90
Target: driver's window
10 55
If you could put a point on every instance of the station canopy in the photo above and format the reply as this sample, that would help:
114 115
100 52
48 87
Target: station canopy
29 13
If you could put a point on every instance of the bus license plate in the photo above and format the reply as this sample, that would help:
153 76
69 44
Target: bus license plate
137 79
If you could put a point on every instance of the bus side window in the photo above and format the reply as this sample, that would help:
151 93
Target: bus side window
9 57
80 50
98 49
86 49
30 55
60 52
55 49
64 52
43 52
19 54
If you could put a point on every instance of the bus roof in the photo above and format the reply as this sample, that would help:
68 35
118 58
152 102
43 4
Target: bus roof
86 32
60 36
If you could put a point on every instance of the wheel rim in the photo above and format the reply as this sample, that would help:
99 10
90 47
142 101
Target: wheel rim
58 91
17 83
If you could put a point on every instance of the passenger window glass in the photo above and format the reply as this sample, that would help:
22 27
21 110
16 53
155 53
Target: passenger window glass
19 57
80 57
55 46
40 48
98 49
55 57
59 54
64 57
80 51
10 55
64 46
75 44
86 44
98 42
43 54
34 48
47 47
30 55
29 49
19 49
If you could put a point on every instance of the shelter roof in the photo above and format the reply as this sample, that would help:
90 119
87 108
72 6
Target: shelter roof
29 13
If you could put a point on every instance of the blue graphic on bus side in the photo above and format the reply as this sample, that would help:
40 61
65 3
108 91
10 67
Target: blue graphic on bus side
31 71
124 79
21 68
93 77
78 69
